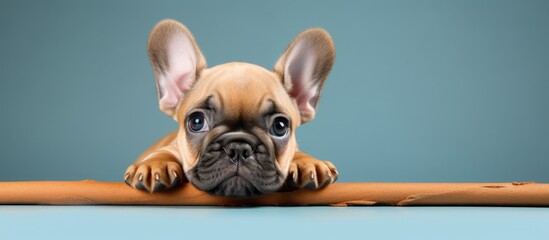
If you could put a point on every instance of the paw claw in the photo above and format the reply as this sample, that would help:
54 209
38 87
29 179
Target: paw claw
127 179
292 177
310 185
176 182
325 183
139 185
292 180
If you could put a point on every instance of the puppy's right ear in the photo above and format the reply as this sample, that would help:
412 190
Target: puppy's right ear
176 61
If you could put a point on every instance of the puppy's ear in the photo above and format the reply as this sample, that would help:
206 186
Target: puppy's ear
304 67
176 61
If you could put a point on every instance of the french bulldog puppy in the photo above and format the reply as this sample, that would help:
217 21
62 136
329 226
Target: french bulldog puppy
237 120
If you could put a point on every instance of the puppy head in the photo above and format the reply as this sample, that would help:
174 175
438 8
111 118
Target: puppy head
237 121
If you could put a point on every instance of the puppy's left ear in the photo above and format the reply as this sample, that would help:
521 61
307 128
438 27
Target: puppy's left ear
304 67
176 61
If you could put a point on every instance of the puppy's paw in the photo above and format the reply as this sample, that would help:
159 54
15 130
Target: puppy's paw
154 175
310 173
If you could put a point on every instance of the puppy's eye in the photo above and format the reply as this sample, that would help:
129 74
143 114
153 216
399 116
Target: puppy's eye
279 127
197 122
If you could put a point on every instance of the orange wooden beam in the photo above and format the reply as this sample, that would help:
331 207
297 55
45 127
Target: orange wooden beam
89 192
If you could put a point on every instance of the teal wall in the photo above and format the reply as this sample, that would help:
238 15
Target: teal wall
421 90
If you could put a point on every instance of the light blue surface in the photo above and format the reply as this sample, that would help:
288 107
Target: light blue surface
197 223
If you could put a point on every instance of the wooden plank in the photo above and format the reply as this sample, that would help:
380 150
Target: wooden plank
90 192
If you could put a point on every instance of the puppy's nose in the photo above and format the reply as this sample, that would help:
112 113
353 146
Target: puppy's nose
238 151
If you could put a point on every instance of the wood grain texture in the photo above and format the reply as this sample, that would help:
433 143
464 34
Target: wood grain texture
90 192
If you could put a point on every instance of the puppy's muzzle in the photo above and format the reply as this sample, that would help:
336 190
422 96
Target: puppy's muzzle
236 164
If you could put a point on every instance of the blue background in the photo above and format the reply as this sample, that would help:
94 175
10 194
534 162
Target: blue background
421 90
